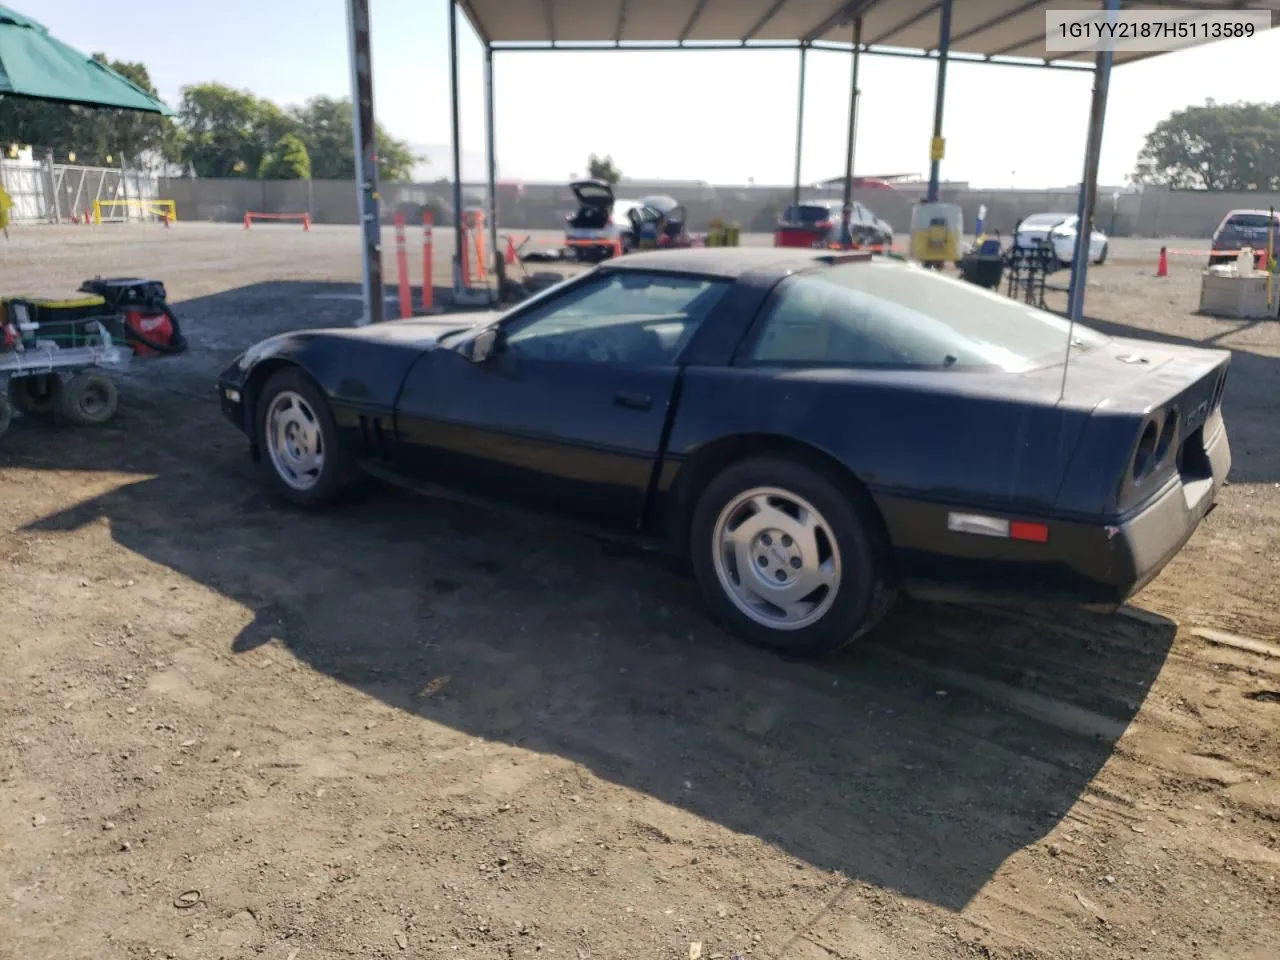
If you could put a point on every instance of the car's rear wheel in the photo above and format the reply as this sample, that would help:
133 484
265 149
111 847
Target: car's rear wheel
302 455
788 558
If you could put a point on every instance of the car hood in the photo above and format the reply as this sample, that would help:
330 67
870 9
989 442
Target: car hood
420 330
413 335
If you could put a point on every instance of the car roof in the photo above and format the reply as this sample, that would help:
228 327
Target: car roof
727 262
1251 212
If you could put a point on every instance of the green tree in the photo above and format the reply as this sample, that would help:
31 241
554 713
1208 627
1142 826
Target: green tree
603 169
1214 147
287 160
225 130
326 127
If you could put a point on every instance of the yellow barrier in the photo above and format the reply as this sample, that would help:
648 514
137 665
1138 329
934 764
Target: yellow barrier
160 209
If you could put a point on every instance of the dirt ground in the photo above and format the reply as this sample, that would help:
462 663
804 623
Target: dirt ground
412 729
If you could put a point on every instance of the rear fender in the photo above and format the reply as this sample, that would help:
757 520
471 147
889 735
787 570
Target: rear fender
925 437
1144 437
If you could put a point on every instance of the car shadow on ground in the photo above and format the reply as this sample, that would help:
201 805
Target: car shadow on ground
920 760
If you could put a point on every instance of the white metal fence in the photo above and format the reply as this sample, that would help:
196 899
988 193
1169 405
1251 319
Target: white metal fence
47 192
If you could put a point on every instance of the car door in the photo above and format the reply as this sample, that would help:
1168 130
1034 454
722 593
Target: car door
566 413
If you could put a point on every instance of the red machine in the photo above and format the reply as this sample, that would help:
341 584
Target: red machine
149 325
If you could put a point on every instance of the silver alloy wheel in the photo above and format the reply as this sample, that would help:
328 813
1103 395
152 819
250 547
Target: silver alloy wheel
776 558
295 441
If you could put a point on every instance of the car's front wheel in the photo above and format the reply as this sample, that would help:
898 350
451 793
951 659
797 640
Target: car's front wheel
789 559
1102 257
299 440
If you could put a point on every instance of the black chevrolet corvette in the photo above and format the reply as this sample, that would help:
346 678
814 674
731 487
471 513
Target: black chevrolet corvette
814 431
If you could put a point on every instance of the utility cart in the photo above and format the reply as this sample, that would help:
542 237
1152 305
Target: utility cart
54 360
56 356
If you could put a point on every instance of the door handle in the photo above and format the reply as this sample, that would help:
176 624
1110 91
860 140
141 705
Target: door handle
633 401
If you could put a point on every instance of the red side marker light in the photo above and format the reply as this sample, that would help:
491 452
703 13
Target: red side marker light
984 526
1032 532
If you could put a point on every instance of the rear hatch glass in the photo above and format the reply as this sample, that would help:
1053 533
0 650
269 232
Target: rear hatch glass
1249 221
806 215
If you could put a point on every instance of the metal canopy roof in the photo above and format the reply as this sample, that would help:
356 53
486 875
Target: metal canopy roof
986 30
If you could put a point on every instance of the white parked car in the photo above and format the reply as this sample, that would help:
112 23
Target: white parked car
1059 229
600 220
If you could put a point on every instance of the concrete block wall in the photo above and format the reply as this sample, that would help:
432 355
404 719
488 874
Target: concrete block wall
1152 213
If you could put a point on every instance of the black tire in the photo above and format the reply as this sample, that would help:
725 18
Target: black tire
37 396
6 414
864 591
1102 258
335 475
88 399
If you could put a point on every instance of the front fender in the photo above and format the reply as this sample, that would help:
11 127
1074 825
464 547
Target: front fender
361 379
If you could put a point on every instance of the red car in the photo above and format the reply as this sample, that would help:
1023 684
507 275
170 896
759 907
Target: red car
817 224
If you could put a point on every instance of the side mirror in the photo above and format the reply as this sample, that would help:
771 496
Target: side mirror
484 346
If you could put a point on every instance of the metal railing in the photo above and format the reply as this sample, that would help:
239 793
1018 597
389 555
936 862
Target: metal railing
46 192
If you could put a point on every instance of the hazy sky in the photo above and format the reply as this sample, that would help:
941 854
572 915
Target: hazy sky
720 117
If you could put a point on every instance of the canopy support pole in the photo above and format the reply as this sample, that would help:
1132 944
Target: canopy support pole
1089 181
804 50
362 128
846 234
935 148
499 264
459 281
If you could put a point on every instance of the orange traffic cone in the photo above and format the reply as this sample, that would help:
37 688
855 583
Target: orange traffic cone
511 252
1162 268
617 247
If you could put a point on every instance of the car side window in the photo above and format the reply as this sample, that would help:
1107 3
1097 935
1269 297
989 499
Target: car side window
816 323
621 316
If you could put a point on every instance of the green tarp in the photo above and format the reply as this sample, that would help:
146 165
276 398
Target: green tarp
35 64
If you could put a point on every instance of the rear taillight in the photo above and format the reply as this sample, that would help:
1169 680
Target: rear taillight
1218 390
1168 434
1144 458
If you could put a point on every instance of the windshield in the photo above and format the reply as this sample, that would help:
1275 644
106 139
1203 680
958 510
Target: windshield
891 314
807 213
1048 219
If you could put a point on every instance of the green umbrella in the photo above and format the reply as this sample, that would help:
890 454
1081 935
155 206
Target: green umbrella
33 64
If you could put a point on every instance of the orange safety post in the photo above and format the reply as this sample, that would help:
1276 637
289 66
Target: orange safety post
464 266
428 220
165 217
482 272
246 221
402 270
88 217
1162 267
306 221
511 252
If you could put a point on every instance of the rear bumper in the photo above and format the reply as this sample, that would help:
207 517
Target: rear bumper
1092 564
